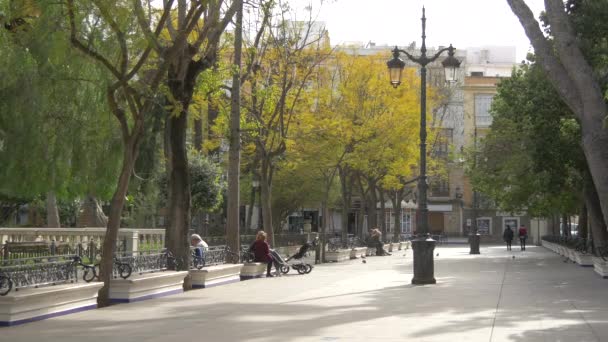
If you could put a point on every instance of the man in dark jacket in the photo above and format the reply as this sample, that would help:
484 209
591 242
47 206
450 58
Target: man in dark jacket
508 237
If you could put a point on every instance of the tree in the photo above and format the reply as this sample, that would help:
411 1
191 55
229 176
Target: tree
571 73
192 56
283 61
120 38
531 160
55 138
361 128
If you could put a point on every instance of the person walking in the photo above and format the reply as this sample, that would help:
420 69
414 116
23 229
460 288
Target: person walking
508 237
523 235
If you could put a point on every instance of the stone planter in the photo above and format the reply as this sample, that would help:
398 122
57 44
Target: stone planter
146 286
357 252
31 304
571 254
338 256
252 270
583 259
215 275
600 267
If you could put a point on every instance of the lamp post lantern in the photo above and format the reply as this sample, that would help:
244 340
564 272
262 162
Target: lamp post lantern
423 244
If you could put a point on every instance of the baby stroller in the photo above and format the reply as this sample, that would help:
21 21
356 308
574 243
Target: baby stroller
300 266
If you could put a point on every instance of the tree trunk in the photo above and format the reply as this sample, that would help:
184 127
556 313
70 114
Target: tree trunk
595 140
249 218
52 211
345 201
582 222
396 200
362 217
397 209
373 210
116 207
324 227
182 76
383 226
266 202
212 114
92 214
179 195
198 134
234 153
597 224
179 209
565 228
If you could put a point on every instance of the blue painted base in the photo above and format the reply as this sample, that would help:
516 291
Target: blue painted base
246 277
205 286
151 296
41 317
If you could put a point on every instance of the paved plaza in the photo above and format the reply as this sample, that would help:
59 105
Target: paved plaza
496 296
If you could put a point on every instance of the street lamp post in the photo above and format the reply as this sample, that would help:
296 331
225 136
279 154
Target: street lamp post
423 244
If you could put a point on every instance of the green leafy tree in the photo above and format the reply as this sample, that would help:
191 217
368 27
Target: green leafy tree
531 159
576 31
56 141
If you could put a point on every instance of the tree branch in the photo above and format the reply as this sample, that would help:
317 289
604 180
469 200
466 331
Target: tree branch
567 48
83 48
544 51
120 36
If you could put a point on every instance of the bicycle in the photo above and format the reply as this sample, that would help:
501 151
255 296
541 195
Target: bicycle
89 271
231 257
6 284
123 268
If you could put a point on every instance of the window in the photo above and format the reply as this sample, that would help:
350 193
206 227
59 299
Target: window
441 148
440 188
406 222
387 219
512 222
483 225
483 103
476 73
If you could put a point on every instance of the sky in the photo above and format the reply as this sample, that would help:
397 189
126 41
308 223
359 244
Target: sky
463 23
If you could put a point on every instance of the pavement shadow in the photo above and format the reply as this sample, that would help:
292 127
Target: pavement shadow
465 300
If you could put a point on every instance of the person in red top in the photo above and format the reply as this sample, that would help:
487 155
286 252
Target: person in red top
261 251
523 235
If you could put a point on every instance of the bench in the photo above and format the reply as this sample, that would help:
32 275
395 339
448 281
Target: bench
146 286
251 270
38 288
150 277
338 255
356 252
221 266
